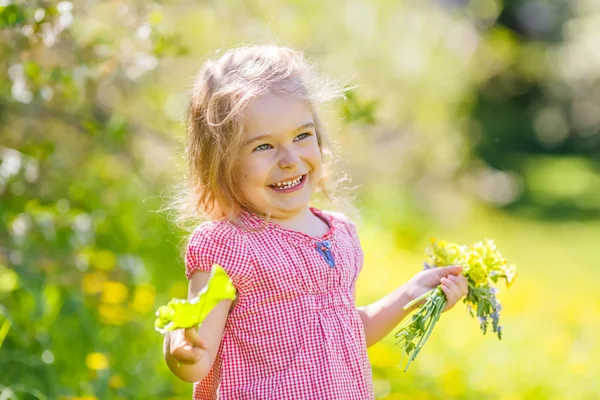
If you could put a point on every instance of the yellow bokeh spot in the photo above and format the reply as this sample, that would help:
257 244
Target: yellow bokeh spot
96 361
116 382
114 314
453 382
417 395
399 396
381 355
143 298
104 260
114 292
9 280
510 396
93 282
155 17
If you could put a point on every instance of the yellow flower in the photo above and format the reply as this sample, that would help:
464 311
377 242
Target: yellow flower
114 314
92 282
96 361
143 298
116 382
114 292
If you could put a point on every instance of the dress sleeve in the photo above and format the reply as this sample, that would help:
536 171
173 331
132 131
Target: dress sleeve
211 243
352 231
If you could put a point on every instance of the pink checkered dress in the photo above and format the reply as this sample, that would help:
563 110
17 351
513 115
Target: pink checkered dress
294 332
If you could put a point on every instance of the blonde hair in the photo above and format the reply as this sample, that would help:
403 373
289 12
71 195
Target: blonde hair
222 90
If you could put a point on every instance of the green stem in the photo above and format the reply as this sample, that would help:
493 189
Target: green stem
418 299
441 302
430 327
421 313
421 342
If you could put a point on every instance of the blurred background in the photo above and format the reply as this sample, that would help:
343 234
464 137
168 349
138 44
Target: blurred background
469 119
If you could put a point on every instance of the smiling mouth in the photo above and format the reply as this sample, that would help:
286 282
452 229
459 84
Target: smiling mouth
283 185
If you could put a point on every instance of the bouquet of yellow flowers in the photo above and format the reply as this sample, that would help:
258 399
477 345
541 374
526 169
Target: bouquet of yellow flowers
482 265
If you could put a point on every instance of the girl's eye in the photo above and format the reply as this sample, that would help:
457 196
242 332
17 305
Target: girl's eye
262 147
302 136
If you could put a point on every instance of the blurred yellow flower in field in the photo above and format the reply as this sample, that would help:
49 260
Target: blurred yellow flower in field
9 279
453 382
96 361
116 382
399 396
510 396
379 354
104 260
93 282
114 292
417 395
143 298
114 314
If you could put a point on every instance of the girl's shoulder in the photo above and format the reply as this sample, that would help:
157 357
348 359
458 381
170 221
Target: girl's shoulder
341 222
218 242
339 218
219 231
337 215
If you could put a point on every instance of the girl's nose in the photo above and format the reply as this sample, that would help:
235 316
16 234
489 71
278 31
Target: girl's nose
288 159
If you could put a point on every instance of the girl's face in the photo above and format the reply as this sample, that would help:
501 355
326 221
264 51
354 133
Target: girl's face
280 162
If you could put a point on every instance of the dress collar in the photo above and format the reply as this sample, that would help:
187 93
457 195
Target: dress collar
256 222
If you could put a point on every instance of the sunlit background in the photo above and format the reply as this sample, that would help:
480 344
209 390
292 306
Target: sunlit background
469 119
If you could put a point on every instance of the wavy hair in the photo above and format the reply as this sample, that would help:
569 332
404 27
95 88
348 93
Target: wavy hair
222 90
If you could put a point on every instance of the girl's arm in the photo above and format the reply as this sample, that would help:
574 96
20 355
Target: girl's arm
381 317
190 355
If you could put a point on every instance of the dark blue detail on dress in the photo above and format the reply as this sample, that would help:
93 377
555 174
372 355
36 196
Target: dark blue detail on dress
324 249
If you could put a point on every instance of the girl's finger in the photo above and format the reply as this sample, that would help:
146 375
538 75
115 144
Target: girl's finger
453 287
187 355
449 297
463 285
456 270
177 338
191 334
447 271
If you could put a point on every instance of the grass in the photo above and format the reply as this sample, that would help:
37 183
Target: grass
551 316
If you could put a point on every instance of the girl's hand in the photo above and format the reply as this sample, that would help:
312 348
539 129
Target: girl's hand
186 346
454 284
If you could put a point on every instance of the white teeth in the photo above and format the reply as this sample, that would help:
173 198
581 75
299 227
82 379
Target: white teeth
288 184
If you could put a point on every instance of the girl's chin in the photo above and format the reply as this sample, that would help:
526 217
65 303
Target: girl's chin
287 208
291 206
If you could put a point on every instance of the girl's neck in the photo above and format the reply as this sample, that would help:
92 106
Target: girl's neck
306 222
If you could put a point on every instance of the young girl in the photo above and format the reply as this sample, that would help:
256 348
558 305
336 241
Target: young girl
255 148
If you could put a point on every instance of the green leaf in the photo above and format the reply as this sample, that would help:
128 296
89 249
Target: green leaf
179 313
11 15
